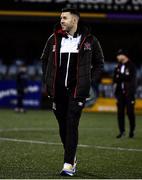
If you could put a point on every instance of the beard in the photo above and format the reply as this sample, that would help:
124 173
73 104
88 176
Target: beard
66 28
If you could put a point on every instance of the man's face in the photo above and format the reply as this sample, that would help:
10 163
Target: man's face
121 58
67 21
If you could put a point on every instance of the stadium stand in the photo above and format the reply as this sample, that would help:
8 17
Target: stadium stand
3 70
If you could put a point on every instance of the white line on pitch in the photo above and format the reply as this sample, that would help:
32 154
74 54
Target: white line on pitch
28 141
41 129
80 145
26 129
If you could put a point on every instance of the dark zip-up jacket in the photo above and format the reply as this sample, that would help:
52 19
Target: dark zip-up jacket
128 78
90 62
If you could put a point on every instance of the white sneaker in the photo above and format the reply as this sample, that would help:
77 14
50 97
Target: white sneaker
68 170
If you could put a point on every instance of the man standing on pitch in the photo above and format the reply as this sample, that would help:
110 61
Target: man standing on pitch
71 59
125 87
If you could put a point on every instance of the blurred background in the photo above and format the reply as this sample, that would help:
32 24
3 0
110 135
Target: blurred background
25 26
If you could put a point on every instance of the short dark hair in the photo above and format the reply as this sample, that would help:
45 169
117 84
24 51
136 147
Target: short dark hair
72 11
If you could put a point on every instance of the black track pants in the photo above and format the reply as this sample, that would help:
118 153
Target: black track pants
128 104
68 111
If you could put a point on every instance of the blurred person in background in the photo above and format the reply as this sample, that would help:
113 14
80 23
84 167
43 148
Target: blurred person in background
21 85
125 86
71 59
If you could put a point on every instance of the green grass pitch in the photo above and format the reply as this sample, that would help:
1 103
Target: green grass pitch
30 147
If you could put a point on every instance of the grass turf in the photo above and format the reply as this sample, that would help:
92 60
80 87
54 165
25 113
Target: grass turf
37 157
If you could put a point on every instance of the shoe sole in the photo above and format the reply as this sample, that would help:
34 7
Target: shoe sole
66 173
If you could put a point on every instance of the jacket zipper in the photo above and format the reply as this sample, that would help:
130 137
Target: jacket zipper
67 70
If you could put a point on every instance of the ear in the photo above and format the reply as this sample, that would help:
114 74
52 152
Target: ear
75 19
